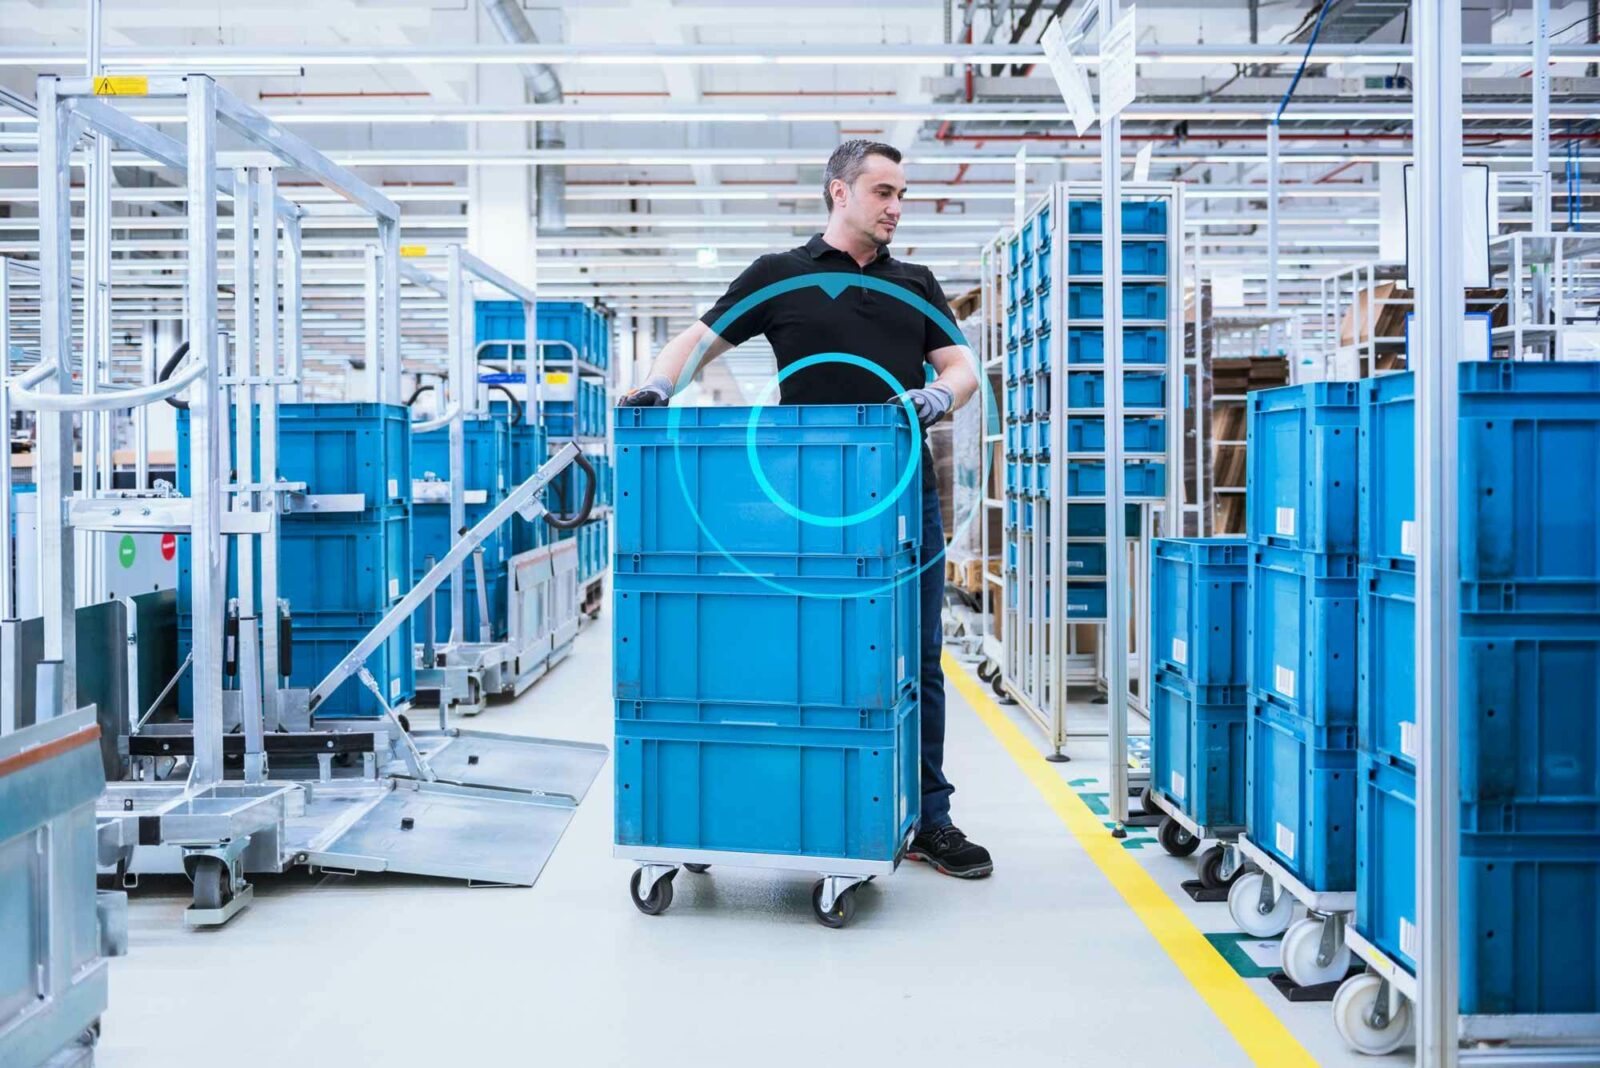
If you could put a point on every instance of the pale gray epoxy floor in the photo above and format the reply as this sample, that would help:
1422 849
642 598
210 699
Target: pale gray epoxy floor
1042 964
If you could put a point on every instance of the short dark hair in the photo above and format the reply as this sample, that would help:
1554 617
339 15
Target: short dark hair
847 162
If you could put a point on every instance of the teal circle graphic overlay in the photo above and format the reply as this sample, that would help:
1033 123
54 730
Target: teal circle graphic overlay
783 502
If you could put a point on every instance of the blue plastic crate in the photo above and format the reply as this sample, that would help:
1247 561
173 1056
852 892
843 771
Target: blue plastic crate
317 649
1041 229
1198 753
1086 389
1530 472
1141 345
486 456
431 524
1013 253
1527 947
803 638
1138 257
1089 520
1303 467
1139 434
1029 403
750 787
1141 478
1086 558
1388 476
1041 479
1302 633
1138 217
574 322
1301 788
343 571
686 483
1085 601
1140 300
1198 594
1387 658
1041 437
1026 358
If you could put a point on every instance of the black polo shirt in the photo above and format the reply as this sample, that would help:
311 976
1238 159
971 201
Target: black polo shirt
809 320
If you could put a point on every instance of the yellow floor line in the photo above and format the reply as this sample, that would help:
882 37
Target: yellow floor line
1264 1037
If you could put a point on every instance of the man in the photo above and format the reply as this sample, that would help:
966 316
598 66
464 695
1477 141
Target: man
863 189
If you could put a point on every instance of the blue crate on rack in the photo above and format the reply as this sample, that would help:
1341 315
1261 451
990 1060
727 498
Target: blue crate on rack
1140 300
576 323
1141 345
486 456
687 485
1027 358
1303 467
1198 619
1388 476
846 638
1029 402
1525 947
1530 471
1086 558
1043 327
1301 789
1198 753
1085 601
1302 633
1041 479
1087 389
1138 257
1139 434
763 786
343 571
1041 437
1041 230
431 526
1386 651
1141 478
1089 520
1138 217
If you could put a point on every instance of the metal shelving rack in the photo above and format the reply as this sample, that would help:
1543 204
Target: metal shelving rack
991 361
1044 595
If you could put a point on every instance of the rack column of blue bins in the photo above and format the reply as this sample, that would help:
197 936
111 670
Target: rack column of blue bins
487 450
1303 474
1529 720
766 658
338 572
1197 711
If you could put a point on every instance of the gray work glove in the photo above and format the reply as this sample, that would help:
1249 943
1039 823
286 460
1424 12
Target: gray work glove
655 393
932 403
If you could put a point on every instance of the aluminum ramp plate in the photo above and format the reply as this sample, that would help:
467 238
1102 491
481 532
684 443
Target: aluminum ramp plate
513 762
452 832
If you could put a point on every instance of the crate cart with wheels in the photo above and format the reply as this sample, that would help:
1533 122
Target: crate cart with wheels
766 648
1197 705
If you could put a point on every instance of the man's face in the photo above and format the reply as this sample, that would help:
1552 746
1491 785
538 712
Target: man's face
871 205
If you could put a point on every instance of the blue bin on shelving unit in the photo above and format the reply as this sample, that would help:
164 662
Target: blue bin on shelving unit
1198 617
1304 467
1198 751
1301 788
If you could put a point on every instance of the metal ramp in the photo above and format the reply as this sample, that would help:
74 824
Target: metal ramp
548 767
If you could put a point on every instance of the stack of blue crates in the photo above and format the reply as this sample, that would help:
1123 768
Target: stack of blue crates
1301 523
1529 664
586 327
1197 647
488 466
529 450
340 571
766 656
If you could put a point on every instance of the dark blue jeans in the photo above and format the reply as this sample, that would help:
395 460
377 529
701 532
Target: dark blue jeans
936 789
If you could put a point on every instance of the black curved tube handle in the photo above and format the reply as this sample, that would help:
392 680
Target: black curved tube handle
422 387
573 522
519 408
166 372
285 644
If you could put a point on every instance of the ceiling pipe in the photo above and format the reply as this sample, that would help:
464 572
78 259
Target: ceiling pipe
542 87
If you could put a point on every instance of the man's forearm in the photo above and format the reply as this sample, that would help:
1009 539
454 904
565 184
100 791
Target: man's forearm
670 363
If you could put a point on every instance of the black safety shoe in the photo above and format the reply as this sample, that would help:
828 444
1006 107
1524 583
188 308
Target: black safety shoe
948 850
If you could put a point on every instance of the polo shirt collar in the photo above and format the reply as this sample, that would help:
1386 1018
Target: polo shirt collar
818 248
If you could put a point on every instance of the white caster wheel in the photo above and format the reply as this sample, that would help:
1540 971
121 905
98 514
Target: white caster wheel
1244 905
1301 944
1360 1021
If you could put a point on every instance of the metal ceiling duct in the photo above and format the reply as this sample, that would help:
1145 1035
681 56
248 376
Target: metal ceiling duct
542 87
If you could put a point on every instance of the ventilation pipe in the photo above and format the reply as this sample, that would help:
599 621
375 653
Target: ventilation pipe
542 87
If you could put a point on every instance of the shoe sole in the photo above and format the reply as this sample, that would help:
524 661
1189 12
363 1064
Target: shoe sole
980 872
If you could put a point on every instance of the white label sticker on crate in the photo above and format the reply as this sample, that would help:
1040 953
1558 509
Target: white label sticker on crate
1180 651
1410 943
394 690
1410 740
1408 537
1285 842
1283 680
394 488
394 588
1285 523
902 528
900 667
1177 785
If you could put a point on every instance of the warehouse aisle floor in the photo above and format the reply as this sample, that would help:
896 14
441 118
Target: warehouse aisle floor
1044 964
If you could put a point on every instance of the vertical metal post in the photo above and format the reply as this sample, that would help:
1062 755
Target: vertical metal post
94 427
141 414
207 421
1272 217
266 363
373 388
291 305
1019 195
57 551
388 381
1541 114
1116 643
1439 305
8 595
462 383
244 472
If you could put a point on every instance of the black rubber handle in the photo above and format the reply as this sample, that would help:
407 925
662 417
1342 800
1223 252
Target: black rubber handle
285 644
166 372
573 522
422 387
519 408
230 646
